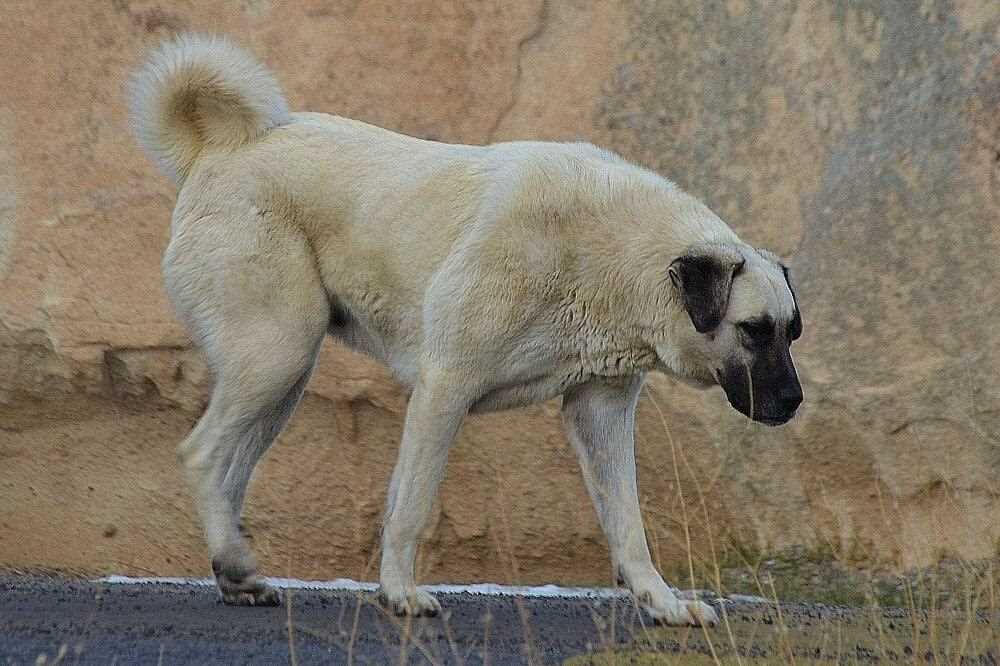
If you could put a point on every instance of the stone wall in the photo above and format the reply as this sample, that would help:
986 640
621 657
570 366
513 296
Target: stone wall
859 139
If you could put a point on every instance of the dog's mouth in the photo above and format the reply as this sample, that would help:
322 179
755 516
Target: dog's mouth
768 417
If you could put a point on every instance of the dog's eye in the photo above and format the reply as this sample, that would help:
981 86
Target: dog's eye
757 331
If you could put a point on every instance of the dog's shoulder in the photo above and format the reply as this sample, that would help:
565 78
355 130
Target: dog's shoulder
552 182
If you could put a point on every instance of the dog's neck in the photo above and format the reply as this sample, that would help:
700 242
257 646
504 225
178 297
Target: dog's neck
621 283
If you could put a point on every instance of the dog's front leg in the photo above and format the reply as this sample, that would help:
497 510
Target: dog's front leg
600 422
433 417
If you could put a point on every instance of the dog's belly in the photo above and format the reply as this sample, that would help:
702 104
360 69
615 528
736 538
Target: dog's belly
524 394
400 358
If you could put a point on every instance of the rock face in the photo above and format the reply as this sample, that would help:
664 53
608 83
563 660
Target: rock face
861 140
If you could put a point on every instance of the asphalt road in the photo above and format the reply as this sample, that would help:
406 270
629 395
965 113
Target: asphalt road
98 623
50 620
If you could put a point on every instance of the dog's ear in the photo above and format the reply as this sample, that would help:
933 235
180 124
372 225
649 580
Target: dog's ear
795 327
704 277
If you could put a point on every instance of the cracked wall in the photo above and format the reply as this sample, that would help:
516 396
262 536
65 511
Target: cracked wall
859 139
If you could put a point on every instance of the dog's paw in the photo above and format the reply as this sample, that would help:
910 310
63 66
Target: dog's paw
687 614
238 583
259 594
667 609
248 590
415 604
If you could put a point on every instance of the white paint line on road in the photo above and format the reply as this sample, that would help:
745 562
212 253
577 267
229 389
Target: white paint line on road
348 585
492 589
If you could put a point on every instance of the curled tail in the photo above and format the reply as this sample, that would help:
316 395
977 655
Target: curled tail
196 92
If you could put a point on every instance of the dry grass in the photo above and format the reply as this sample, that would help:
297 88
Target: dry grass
804 634
829 612
947 615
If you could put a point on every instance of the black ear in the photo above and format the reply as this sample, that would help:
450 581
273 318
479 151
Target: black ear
795 326
704 280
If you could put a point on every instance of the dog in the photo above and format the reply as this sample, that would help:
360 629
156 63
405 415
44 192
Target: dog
486 278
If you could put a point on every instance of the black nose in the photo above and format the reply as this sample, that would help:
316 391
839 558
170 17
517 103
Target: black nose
790 398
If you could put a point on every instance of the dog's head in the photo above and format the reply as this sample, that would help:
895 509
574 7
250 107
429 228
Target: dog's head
743 318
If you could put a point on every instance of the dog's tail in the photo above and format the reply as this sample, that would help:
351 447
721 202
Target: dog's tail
197 92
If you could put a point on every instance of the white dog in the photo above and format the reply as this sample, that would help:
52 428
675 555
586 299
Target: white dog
486 277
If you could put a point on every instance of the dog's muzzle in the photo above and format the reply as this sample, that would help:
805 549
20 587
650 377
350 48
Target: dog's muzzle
764 395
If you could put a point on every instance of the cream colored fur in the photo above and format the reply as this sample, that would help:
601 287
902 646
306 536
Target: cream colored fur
485 277
197 92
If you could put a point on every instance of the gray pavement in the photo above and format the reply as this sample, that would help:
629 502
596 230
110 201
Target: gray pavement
99 623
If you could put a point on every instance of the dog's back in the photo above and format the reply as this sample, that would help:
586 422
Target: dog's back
378 212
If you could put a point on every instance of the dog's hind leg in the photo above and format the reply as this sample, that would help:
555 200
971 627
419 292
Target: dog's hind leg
259 316
219 457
